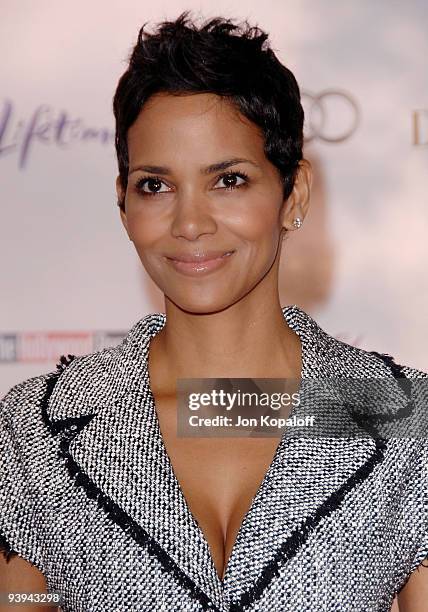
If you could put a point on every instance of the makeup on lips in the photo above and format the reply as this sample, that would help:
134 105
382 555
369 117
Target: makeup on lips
196 264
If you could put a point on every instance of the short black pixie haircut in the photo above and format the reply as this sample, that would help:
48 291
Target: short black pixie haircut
233 61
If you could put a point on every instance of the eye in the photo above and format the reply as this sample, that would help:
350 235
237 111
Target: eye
230 178
154 184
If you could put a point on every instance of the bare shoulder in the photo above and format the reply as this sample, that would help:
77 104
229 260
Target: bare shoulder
18 575
413 597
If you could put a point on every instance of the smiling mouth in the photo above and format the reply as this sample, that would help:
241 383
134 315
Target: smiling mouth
200 267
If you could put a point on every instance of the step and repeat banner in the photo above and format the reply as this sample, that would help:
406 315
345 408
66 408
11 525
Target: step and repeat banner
71 281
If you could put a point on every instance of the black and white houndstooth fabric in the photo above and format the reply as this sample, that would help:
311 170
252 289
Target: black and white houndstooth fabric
89 496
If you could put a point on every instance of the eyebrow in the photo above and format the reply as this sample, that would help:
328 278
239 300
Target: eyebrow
217 167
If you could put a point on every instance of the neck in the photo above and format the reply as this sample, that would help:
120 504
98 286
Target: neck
249 339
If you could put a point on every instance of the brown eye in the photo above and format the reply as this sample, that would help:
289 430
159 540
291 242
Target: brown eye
230 180
153 183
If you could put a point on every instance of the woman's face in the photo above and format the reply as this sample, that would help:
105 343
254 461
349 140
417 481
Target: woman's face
187 207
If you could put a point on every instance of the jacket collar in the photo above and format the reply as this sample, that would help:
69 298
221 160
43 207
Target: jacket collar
102 406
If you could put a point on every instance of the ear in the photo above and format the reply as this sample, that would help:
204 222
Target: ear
297 203
121 198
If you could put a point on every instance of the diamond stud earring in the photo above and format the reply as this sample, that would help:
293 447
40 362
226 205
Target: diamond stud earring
297 222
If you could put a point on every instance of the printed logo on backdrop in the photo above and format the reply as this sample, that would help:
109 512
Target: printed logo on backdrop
44 126
331 116
32 347
420 127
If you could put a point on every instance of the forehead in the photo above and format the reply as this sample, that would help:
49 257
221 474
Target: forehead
199 124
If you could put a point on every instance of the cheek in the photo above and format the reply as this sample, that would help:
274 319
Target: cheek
256 223
145 228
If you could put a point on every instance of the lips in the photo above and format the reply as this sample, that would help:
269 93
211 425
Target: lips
198 257
201 264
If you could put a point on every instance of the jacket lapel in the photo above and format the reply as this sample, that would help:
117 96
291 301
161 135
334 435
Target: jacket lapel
310 476
112 446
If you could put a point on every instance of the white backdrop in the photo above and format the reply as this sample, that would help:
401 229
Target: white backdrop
70 279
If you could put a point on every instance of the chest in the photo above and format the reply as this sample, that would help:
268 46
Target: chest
218 476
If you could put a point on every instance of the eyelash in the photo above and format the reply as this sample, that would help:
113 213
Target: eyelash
140 183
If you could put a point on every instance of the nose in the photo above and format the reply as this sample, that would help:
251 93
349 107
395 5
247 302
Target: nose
192 217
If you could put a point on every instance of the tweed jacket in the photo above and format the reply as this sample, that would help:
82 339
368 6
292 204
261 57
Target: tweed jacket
89 496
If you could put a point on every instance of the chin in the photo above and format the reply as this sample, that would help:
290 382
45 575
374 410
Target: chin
200 304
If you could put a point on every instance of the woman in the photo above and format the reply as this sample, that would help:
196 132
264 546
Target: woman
101 500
